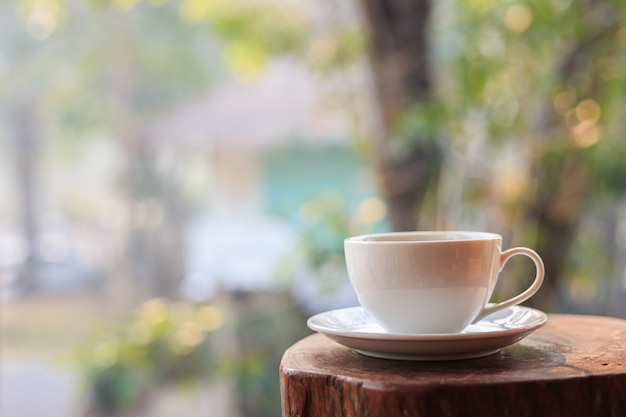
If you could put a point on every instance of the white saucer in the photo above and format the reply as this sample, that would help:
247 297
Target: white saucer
354 328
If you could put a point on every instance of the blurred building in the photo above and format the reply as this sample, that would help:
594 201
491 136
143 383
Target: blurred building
273 143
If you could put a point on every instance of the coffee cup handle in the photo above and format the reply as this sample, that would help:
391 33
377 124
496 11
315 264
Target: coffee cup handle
540 272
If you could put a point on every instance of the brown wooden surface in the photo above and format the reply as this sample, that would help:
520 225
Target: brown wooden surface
573 366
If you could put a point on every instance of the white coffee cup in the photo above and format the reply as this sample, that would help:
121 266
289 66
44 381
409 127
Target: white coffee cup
431 282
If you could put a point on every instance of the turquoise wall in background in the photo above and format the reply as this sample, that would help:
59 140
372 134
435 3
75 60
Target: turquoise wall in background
292 176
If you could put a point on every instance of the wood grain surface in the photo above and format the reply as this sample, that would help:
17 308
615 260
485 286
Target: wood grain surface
573 366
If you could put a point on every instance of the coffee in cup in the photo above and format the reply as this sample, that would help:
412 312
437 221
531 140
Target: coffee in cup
431 282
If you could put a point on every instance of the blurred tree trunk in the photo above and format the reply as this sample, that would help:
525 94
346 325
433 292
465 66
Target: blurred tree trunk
399 58
27 152
151 263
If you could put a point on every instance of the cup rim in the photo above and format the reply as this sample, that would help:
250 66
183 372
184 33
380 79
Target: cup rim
437 236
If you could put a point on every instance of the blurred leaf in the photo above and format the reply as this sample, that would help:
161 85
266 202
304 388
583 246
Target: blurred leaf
422 122
247 59
196 11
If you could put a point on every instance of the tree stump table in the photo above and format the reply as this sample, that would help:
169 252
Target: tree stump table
573 366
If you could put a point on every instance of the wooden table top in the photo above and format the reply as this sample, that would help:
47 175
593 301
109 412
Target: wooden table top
574 365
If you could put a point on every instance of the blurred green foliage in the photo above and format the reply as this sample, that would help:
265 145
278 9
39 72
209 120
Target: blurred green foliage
266 324
324 222
161 344
527 106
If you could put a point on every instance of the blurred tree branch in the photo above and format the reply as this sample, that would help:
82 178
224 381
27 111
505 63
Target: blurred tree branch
400 62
